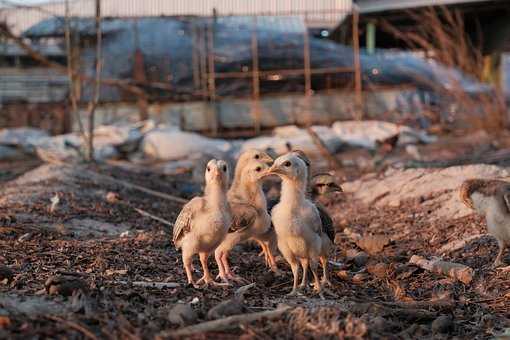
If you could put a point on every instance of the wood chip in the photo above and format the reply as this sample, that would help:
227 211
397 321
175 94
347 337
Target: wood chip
453 270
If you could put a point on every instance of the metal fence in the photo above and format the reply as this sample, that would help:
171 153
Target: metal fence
205 69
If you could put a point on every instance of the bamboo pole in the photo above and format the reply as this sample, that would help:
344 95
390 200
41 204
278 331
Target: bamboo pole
97 84
357 65
255 107
308 75
211 79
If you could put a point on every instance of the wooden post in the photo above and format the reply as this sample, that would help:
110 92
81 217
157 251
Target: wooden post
213 121
195 62
97 84
308 75
255 107
358 104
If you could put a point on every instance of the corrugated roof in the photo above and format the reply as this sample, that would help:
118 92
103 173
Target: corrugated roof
370 6
324 13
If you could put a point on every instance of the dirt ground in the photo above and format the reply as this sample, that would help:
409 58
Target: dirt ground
375 294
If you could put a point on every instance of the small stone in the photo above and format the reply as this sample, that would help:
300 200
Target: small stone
4 321
343 274
65 285
379 270
379 323
360 258
359 277
25 237
226 308
6 273
182 314
442 324
112 197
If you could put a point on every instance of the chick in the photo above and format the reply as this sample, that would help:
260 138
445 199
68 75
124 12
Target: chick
321 186
204 221
490 198
251 221
296 220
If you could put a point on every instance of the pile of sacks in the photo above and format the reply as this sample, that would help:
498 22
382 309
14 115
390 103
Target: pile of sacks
147 141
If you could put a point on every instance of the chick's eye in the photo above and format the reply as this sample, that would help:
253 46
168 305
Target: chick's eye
224 168
257 156
320 185
258 169
287 163
208 169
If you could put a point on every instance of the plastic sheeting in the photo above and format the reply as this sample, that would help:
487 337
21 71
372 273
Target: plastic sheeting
164 46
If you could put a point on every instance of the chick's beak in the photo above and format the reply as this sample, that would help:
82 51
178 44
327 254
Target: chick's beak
274 170
267 159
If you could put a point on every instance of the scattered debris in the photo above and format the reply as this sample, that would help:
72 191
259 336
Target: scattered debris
55 200
226 323
456 271
459 244
157 285
65 285
368 132
442 324
6 274
432 186
373 244
182 314
231 306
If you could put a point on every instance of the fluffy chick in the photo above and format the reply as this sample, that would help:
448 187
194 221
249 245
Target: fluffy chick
296 220
490 198
251 221
204 221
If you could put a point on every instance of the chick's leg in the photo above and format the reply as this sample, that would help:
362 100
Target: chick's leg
304 265
316 283
272 261
218 254
294 266
186 260
497 261
228 271
207 278
325 276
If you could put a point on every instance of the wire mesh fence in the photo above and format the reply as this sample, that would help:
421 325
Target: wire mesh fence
192 50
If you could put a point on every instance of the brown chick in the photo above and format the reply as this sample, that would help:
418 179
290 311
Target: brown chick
204 221
296 220
250 219
490 198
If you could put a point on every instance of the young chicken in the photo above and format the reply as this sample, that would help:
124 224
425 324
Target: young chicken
251 221
490 198
323 185
296 220
319 186
204 221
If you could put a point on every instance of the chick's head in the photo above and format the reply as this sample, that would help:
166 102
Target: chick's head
217 171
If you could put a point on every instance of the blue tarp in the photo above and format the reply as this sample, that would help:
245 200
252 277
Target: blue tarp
166 44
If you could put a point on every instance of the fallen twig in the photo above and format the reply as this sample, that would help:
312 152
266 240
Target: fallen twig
74 326
169 197
225 323
159 285
459 244
156 218
454 270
